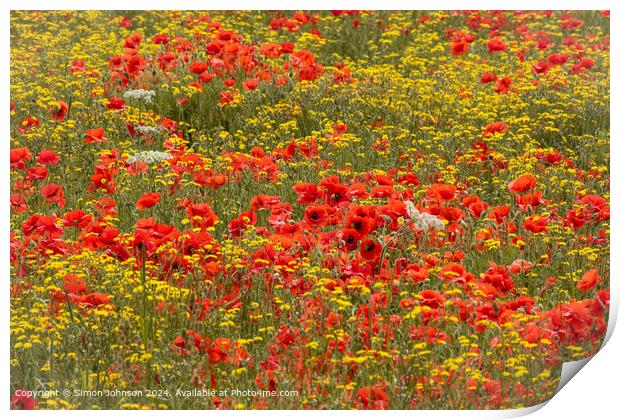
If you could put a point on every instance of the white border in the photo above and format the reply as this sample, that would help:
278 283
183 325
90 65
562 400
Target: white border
595 397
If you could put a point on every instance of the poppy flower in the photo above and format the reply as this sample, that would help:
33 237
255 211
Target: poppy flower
198 67
431 298
21 401
54 193
597 205
115 103
37 173
95 136
246 218
148 200
535 224
522 184
93 300
38 225
370 250
76 218
455 273
530 199
74 284
19 156
558 59
442 192
317 215
373 397
532 332
495 45
488 77
350 237
498 277
47 157
307 193
160 39
409 180
28 123
459 48
541 67
362 219
495 128
250 84
227 96
19 204
589 280
503 85
585 63
58 111
520 266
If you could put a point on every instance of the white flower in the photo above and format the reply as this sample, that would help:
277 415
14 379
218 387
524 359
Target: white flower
149 129
140 94
149 156
423 221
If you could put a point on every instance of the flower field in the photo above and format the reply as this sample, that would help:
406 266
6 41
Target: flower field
306 210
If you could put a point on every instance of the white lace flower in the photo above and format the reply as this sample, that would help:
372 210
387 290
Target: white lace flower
140 94
149 156
148 129
423 221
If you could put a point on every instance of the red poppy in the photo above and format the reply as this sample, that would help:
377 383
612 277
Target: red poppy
115 103
521 184
250 84
76 218
530 199
92 300
246 218
459 48
370 250
503 85
535 224
95 136
532 332
498 277
28 123
148 200
431 298
37 173
20 400
585 63
488 77
442 192
73 284
589 280
19 204
19 156
362 219
161 39
541 67
558 59
494 128
58 111
47 157
350 237
495 45
38 225
317 216
54 193
307 193
456 273
201 215
520 266
373 397
198 67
